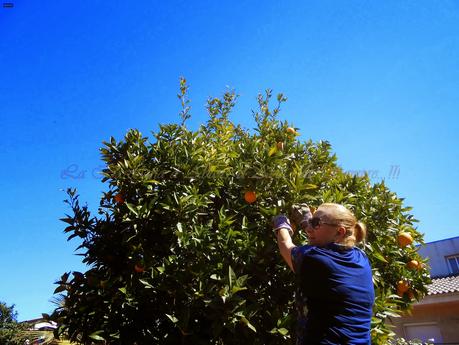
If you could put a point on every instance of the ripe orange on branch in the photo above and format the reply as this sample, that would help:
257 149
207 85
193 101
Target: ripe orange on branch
404 239
250 196
291 130
119 198
413 265
402 287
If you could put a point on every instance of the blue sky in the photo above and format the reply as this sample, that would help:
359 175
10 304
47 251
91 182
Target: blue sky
379 80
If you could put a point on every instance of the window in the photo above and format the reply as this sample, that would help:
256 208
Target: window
453 262
426 332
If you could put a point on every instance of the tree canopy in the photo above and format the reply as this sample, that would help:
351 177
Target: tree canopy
179 254
11 331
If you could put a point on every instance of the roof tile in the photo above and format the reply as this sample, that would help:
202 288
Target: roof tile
443 285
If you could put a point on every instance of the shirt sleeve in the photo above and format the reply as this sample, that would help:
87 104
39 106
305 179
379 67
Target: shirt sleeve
298 255
297 258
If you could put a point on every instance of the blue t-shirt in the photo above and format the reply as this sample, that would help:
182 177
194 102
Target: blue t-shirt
335 295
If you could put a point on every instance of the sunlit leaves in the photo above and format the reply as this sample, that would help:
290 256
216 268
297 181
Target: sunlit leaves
211 272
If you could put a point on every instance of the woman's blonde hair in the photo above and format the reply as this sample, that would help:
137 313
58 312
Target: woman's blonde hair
355 231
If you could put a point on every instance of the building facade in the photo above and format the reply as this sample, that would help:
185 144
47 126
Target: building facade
436 317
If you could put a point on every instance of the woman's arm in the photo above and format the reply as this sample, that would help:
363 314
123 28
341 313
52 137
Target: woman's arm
284 241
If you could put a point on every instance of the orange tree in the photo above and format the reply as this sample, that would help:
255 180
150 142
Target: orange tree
181 251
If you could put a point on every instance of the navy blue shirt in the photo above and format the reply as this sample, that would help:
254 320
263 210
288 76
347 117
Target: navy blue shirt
335 295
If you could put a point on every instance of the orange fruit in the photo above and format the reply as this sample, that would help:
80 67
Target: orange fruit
119 198
291 130
413 265
404 239
402 287
138 268
280 145
250 197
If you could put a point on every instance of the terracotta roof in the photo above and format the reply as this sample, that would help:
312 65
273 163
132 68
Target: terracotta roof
443 285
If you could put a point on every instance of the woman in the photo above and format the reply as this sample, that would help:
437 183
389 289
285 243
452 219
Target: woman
335 289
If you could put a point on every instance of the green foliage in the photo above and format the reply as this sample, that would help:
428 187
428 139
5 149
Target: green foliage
11 331
7 314
401 341
176 255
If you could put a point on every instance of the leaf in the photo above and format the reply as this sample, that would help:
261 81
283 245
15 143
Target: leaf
248 324
131 208
392 314
78 275
231 276
96 336
69 228
309 186
379 257
172 318
375 320
68 220
147 284
72 236
242 280
283 331
272 150
237 289
60 288
153 182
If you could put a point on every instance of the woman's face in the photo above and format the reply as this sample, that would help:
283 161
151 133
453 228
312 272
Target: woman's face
323 229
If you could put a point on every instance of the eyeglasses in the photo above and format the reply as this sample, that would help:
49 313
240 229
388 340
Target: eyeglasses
315 222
